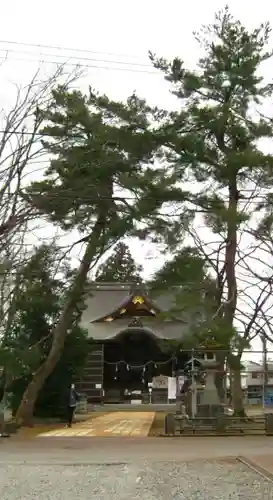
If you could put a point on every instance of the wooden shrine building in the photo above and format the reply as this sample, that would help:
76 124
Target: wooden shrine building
126 325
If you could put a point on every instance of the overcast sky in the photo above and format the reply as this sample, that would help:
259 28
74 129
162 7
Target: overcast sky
113 34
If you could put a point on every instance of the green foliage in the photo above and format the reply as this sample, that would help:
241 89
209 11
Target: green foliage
38 299
186 268
103 164
101 182
186 276
187 279
27 343
213 139
195 295
119 267
52 400
122 169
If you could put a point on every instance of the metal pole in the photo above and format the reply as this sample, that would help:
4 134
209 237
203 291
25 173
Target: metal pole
193 387
265 369
3 405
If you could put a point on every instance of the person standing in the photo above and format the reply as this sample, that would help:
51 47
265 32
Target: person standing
72 403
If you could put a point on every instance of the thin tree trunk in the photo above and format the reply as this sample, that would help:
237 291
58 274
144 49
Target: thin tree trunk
230 308
237 394
219 381
220 376
25 411
265 368
230 257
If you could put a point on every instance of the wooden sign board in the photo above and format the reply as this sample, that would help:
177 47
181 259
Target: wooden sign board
160 382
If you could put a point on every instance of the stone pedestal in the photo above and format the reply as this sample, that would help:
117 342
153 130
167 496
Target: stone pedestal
210 411
188 403
209 396
209 405
269 424
179 403
169 426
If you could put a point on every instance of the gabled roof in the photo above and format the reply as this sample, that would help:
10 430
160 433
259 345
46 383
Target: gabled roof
134 301
105 299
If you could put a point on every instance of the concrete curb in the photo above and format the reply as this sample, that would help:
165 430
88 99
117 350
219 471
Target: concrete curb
209 435
255 467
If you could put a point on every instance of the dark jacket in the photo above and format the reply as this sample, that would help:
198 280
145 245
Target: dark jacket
73 398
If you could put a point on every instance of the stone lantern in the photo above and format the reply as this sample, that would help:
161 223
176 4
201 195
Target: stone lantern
209 403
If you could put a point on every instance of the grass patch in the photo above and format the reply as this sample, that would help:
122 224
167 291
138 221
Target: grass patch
157 426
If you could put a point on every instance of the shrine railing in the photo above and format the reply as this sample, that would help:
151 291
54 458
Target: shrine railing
177 425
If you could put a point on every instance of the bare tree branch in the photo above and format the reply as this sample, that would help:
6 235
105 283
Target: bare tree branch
20 149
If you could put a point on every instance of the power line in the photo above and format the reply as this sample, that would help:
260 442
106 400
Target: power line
79 65
70 49
79 58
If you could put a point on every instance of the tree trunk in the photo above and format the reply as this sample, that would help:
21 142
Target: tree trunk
265 368
230 255
220 376
230 307
24 415
237 395
219 381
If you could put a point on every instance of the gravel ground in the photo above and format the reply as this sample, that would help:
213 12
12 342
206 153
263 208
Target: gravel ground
202 480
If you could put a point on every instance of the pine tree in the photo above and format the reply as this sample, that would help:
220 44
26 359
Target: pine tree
120 267
213 142
99 182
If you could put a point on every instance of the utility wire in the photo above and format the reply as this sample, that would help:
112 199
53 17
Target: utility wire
67 49
78 65
79 58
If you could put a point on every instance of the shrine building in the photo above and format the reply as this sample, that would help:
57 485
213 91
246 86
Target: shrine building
127 326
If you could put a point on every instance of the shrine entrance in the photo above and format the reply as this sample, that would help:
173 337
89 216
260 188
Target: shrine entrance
131 361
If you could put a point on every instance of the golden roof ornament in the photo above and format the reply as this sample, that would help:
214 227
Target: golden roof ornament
138 300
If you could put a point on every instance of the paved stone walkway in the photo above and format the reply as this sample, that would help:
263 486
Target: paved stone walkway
119 423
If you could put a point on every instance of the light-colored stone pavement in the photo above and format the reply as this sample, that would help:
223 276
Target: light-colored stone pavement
111 424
